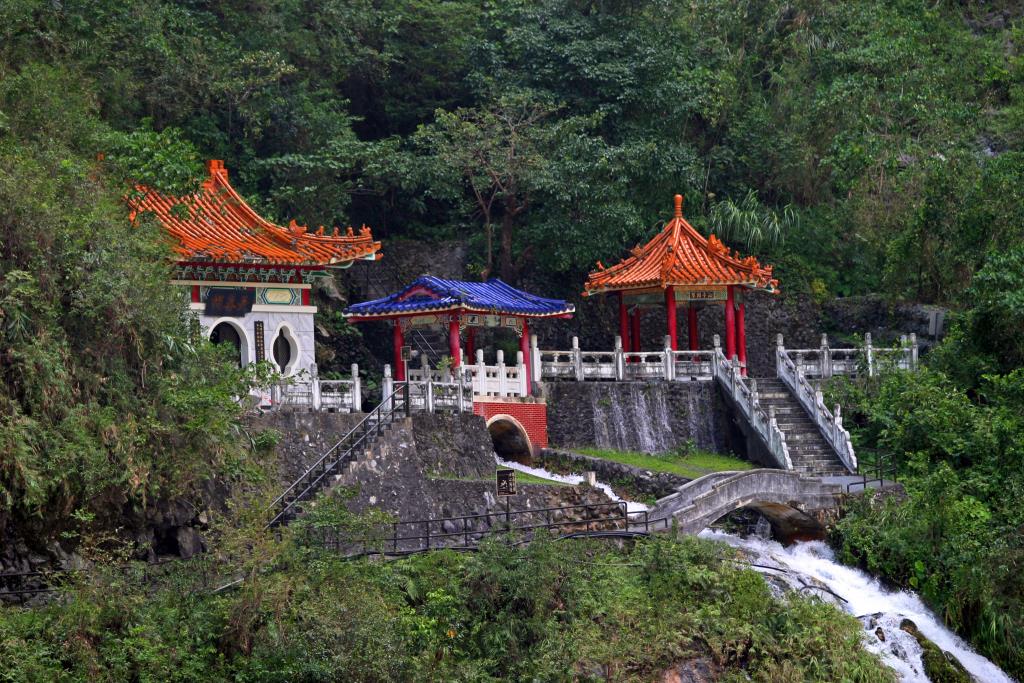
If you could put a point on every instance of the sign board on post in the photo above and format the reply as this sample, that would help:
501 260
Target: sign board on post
407 353
505 482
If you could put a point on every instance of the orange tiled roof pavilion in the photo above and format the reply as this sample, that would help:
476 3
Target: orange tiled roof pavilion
216 226
683 266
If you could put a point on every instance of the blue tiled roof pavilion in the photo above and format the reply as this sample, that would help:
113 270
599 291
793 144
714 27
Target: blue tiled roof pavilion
428 295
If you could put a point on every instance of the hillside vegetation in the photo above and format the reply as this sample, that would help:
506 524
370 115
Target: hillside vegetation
869 146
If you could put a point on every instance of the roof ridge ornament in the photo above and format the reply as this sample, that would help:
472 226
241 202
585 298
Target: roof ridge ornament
679 206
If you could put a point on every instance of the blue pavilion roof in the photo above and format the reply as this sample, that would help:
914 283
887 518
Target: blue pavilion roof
428 294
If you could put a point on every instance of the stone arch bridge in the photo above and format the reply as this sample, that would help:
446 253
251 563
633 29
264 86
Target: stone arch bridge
795 505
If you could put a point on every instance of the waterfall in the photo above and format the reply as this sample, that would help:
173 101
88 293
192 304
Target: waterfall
810 567
632 417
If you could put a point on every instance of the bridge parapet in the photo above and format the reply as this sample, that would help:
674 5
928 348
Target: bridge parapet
784 497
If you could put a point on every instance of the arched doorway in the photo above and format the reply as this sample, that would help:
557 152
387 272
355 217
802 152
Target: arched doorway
285 351
510 439
227 333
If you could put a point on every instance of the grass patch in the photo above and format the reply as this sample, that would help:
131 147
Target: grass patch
690 463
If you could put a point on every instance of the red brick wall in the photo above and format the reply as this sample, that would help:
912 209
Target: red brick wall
533 417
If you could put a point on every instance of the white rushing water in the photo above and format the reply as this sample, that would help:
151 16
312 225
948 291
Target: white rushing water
812 564
810 567
631 506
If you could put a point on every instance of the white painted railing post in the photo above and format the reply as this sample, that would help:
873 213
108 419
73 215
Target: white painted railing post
480 380
387 384
825 358
430 396
502 380
780 353
913 351
535 361
669 361
357 390
460 386
522 389
620 361
577 359
871 354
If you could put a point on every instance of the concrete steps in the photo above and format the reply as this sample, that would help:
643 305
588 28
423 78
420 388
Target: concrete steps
810 453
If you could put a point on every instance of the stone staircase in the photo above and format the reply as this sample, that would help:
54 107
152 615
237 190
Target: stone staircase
332 464
810 453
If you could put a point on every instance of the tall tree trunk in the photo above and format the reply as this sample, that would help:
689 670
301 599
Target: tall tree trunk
509 273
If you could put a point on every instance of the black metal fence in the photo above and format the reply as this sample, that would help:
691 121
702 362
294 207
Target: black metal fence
874 467
466 532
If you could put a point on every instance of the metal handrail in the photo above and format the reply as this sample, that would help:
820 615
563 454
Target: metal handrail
632 523
376 416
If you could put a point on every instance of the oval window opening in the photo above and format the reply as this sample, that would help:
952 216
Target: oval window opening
283 351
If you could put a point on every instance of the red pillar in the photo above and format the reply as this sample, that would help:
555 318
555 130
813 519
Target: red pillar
524 346
623 322
741 338
305 297
195 294
453 341
471 345
691 318
398 340
730 324
636 330
670 315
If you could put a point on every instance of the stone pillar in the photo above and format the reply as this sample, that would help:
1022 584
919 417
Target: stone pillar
694 331
398 340
730 324
741 337
670 314
623 322
454 347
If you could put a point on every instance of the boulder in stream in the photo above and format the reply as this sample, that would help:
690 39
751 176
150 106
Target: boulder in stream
939 665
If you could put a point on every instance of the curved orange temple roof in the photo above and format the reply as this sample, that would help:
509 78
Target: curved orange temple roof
217 225
680 256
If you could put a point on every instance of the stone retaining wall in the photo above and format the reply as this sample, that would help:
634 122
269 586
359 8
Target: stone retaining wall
636 416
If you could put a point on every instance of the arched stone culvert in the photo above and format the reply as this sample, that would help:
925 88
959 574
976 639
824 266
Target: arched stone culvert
510 439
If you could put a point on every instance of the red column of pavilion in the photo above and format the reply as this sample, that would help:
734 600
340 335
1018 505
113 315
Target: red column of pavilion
453 341
741 340
635 324
691 319
670 316
730 324
398 340
623 322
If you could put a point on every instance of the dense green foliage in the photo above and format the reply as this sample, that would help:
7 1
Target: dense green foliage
107 397
862 146
959 440
554 611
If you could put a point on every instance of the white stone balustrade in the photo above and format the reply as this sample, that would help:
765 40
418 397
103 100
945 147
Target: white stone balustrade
313 393
742 391
792 371
431 396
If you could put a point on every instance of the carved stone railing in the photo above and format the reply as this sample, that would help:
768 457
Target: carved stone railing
829 422
430 396
743 393
619 365
313 393
498 380
824 362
